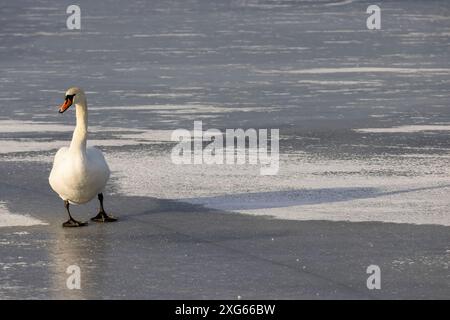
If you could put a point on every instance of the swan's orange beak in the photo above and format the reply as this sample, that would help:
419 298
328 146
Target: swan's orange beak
67 103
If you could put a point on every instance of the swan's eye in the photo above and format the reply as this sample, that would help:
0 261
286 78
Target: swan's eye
70 97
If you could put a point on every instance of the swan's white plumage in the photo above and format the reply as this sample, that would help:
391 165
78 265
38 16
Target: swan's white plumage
79 178
79 174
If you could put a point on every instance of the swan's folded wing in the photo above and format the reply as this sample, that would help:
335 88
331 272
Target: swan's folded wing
97 162
60 156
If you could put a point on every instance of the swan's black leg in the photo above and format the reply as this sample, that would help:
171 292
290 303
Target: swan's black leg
102 216
72 222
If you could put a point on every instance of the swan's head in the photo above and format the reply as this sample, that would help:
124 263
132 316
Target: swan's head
73 96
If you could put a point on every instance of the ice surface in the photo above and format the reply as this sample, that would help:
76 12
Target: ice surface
365 146
8 219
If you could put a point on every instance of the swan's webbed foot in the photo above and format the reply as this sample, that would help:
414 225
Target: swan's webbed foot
72 223
103 217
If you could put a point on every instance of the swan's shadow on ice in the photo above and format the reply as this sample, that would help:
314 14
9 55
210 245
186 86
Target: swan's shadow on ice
275 199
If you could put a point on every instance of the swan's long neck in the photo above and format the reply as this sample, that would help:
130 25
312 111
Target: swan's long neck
80 133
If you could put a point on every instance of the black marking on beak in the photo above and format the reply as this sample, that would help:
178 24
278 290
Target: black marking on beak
67 103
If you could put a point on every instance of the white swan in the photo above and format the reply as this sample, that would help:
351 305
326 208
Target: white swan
79 173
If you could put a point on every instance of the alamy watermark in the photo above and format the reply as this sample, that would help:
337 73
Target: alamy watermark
73 21
74 279
373 22
374 280
234 146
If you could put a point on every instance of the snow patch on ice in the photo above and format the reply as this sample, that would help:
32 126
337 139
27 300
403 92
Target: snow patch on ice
405 129
8 219
122 136
14 126
182 108
384 189
30 145
342 82
360 70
